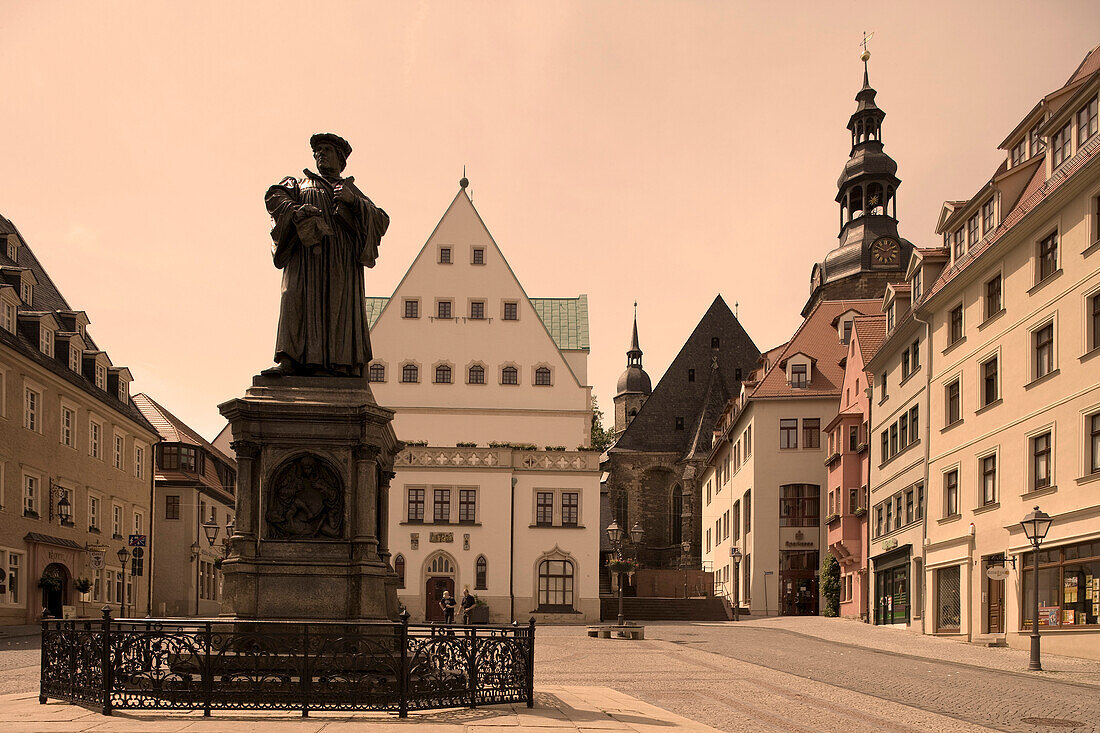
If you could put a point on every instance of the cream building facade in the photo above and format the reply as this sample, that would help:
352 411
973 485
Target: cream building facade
75 455
1013 306
764 483
496 490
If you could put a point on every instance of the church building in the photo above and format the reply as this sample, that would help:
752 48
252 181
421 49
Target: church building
497 489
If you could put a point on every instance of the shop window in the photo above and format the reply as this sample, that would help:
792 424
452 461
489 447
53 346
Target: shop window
1068 584
948 599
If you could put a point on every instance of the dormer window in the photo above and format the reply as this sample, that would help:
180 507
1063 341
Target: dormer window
26 292
846 332
123 390
101 377
1086 121
1060 145
74 359
987 217
45 340
1035 140
915 284
13 249
960 244
7 316
890 317
1019 151
799 376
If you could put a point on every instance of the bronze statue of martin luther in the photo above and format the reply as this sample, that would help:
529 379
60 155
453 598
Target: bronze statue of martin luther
325 231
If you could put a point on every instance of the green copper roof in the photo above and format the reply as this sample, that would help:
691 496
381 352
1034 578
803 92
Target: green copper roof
566 318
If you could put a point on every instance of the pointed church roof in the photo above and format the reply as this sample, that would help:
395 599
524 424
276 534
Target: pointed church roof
693 404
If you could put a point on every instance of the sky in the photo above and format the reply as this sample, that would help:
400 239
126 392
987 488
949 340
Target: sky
658 151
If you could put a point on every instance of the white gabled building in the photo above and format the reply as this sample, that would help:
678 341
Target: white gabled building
497 490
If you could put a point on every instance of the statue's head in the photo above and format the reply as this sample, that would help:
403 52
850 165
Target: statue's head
331 153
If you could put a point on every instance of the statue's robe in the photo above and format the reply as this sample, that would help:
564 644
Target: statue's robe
322 313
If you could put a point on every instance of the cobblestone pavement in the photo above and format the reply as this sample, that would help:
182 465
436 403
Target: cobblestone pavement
19 664
758 678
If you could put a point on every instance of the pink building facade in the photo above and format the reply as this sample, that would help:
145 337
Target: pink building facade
848 464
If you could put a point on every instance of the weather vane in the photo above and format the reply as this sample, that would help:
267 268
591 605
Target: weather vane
866 37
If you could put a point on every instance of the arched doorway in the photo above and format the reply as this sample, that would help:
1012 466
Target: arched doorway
439 575
55 592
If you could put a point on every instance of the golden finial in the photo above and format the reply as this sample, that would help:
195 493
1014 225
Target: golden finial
866 54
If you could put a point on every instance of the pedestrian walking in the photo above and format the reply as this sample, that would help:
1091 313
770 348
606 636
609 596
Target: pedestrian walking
468 603
448 605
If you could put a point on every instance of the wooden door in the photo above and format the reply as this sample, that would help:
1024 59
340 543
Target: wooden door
433 593
995 605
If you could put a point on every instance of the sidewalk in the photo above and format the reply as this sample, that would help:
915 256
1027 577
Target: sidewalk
903 641
19 632
559 707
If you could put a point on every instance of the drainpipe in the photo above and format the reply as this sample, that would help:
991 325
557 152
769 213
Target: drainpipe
868 581
152 519
927 488
512 555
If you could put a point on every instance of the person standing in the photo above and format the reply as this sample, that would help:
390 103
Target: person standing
468 603
447 603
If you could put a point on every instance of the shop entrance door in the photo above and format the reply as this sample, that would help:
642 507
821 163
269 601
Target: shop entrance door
798 583
892 595
995 597
53 594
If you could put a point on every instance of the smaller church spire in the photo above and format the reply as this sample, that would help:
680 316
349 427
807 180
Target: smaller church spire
634 356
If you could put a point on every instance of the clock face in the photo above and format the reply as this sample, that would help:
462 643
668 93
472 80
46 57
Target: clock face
885 251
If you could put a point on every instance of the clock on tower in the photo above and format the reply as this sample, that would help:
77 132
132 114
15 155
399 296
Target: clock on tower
884 252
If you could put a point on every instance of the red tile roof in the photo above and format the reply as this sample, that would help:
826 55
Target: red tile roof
817 338
870 331
172 429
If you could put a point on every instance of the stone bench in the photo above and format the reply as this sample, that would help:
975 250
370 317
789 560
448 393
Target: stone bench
629 631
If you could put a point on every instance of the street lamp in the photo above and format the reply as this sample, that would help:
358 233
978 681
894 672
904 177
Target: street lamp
1036 525
735 555
123 558
64 506
615 535
210 529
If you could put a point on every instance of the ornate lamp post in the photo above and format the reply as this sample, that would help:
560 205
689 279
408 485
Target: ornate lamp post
616 536
123 558
1036 525
735 555
64 506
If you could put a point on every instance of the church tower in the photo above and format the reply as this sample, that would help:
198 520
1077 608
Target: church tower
870 253
633 387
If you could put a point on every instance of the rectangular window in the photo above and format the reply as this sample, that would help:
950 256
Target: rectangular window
788 433
101 376
67 419
172 507
1044 350
811 432
1035 139
30 496
989 480
139 461
477 310
708 540
412 309
737 520
798 376
993 302
748 441
570 508
45 340
441 505
1094 320
853 438
748 512
903 431
93 513
416 505
905 364
952 403
511 311
93 438
1060 145
878 520
444 255
1094 442
893 439
847 331
952 493
1048 257
853 500
914 421
14 577
116 521
972 230
1040 461
443 309
990 386
32 404
987 217
960 243
1018 151
956 333
885 445
119 445
1086 121
478 256
799 505
544 508
187 458
139 523
467 505
910 506
882 389
889 515
914 356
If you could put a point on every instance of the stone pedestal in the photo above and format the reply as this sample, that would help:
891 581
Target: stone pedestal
314 462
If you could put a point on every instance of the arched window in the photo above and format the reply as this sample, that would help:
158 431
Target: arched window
555 585
676 509
477 374
542 376
399 568
481 569
410 374
509 375
442 374
875 204
855 202
440 564
620 510
377 373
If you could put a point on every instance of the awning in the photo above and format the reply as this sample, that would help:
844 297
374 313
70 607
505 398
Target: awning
45 539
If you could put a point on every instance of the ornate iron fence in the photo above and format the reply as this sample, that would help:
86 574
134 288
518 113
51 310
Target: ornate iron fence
284 665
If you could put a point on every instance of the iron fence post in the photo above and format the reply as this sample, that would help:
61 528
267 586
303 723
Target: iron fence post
306 674
403 673
207 672
471 675
72 658
42 671
531 663
108 675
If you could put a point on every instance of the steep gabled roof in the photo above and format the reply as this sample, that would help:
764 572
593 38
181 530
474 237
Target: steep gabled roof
172 429
697 403
816 337
870 333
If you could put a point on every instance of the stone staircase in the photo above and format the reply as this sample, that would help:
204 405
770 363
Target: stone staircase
665 609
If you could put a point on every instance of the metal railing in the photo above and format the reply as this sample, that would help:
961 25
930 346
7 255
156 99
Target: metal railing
284 665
